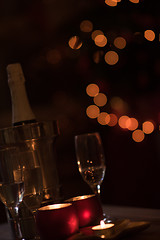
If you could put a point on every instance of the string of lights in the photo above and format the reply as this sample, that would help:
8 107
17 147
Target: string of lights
111 56
100 99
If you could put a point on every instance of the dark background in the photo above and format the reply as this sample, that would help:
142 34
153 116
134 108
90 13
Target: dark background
29 30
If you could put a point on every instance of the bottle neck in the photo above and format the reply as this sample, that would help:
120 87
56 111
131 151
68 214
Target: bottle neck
21 110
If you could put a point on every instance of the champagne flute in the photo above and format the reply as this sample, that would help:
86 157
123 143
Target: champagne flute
12 184
91 160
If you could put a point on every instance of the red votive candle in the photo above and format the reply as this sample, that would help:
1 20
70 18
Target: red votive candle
89 209
57 221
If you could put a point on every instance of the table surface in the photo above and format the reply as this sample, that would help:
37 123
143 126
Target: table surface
132 213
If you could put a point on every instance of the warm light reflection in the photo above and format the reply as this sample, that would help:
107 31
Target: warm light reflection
75 42
100 40
79 198
123 121
47 196
149 35
100 99
111 3
86 215
132 124
134 1
120 42
138 135
103 236
86 26
92 111
103 118
147 127
54 206
103 225
53 56
113 120
96 33
92 90
111 57
72 222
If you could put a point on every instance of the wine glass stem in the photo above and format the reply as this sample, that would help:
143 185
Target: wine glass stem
96 189
15 216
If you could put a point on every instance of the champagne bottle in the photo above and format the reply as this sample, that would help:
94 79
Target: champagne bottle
39 139
21 110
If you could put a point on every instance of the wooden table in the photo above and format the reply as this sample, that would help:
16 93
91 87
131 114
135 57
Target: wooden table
120 212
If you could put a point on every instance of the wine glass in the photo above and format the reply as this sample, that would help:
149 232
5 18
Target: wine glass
12 184
90 159
33 182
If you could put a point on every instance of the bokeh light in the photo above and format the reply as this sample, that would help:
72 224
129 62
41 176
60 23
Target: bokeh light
92 90
100 40
147 127
100 100
149 35
134 1
132 124
96 33
111 3
138 135
123 121
86 26
103 118
92 111
113 120
111 57
120 42
75 42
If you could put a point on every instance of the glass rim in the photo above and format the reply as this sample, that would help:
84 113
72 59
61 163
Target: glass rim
28 124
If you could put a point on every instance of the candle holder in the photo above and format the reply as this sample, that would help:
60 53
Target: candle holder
88 208
57 221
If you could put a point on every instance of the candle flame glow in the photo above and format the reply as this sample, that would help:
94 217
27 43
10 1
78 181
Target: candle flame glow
103 226
102 223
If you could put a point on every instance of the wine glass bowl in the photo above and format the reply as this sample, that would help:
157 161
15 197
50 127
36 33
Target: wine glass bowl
91 159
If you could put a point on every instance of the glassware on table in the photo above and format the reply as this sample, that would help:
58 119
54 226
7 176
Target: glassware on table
91 159
12 184
40 137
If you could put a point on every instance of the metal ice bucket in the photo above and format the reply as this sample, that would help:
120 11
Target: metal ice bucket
39 136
